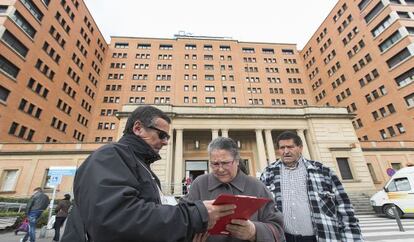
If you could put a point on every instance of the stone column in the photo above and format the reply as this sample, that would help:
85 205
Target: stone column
178 162
214 133
261 153
169 161
305 151
225 133
269 145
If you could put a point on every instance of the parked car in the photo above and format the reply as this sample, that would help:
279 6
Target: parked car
398 192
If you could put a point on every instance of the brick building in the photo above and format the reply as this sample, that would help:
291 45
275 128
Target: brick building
62 86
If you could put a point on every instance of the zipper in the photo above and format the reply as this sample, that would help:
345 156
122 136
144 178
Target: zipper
152 177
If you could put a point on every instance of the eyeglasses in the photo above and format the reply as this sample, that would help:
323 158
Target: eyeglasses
161 133
224 164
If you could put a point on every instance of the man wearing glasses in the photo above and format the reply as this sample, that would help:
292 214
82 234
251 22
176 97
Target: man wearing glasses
118 196
227 177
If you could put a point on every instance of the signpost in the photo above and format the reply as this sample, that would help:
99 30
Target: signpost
56 173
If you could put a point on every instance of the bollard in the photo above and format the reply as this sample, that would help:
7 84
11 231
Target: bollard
397 218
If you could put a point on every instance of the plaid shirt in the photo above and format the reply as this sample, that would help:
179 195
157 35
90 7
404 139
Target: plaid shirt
333 216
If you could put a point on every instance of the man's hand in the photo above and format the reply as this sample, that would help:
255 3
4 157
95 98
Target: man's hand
201 237
215 212
242 229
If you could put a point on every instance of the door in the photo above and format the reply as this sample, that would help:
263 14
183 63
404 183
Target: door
195 168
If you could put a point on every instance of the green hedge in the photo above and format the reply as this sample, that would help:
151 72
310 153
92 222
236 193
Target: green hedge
14 200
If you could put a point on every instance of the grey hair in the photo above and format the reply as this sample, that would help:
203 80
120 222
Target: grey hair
223 143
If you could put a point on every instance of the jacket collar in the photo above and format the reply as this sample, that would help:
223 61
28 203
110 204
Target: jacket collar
308 163
140 148
239 182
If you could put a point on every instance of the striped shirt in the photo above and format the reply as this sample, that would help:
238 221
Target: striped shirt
295 201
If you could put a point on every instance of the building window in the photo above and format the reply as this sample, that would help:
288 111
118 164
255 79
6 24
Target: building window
383 134
166 47
225 48
4 93
34 10
381 26
287 52
390 41
121 45
144 46
190 47
8 67
24 24
9 180
391 131
210 100
3 8
409 100
374 12
344 168
396 166
363 4
398 58
14 43
248 50
405 78
400 128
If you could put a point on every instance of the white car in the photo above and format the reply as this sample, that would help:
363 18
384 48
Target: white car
398 192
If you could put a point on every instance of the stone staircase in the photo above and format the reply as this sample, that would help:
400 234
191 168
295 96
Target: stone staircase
361 203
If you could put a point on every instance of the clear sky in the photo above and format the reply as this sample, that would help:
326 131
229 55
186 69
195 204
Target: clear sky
276 21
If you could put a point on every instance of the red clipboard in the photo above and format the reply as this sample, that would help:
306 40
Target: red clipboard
246 207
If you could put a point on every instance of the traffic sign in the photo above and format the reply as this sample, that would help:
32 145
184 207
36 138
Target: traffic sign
62 170
390 172
54 180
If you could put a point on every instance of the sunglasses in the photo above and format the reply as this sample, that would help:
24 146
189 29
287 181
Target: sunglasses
161 133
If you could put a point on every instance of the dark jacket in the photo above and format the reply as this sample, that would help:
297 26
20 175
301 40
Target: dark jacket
117 199
332 213
62 208
39 201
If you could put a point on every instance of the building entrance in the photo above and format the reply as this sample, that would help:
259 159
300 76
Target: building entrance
193 169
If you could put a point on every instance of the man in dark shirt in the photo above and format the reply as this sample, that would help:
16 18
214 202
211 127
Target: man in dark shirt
118 196
34 208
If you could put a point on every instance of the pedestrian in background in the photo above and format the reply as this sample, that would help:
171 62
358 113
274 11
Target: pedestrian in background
35 206
61 210
313 201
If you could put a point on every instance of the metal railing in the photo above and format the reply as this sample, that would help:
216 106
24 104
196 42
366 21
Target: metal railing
12 207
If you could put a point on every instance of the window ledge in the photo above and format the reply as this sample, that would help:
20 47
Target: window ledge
351 181
7 192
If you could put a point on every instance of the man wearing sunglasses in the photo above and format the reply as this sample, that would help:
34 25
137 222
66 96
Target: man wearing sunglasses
118 196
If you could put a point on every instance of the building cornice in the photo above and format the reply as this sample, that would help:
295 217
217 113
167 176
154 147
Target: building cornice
221 112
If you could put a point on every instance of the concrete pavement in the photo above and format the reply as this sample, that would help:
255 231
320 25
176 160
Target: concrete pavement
10 237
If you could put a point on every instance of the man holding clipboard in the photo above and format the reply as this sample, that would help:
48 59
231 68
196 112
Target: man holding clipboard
264 225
